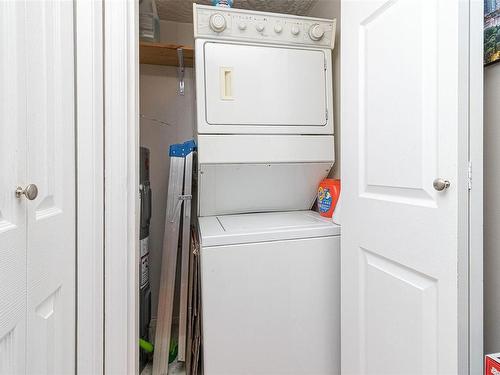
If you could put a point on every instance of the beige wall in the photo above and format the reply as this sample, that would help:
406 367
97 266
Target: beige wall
331 9
492 208
159 100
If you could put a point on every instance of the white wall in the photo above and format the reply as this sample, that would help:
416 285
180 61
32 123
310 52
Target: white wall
492 208
159 100
331 9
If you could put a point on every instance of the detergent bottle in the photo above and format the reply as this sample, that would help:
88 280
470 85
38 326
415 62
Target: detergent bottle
328 195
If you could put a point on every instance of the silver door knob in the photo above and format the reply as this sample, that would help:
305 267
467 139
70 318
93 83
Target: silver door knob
440 184
30 192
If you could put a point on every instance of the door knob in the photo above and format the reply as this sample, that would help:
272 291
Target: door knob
30 192
440 184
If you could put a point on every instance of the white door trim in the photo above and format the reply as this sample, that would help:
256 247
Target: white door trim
121 196
107 241
476 350
471 353
90 189
107 186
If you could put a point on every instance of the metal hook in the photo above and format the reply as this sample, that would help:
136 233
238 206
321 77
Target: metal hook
180 70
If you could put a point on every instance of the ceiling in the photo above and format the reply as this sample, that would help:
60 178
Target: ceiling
182 10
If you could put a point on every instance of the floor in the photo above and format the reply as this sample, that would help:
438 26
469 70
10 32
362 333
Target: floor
175 368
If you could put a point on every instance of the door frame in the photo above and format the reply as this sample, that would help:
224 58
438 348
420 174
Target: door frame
121 186
89 110
107 144
475 207
470 297
470 250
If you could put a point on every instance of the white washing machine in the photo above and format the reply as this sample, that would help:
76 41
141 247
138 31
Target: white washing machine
270 293
269 267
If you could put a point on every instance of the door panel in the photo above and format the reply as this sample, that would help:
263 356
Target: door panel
12 174
398 97
243 86
51 166
400 119
399 313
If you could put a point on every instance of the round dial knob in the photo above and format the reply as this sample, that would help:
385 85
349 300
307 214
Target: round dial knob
242 25
260 27
295 30
278 28
316 32
217 22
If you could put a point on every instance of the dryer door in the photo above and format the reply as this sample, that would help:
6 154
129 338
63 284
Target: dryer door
265 89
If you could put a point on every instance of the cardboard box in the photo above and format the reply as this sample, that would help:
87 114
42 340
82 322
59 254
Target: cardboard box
492 364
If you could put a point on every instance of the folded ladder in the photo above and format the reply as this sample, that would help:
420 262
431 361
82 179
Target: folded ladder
178 200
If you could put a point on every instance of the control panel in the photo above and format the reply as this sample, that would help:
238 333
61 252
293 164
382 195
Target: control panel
239 24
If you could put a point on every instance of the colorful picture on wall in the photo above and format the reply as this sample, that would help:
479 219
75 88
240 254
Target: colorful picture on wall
491 31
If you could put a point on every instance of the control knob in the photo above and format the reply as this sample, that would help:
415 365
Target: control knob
295 30
217 22
242 25
260 27
278 28
316 32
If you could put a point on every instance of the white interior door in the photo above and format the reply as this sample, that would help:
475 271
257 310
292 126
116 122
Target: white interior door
37 237
12 172
403 123
51 166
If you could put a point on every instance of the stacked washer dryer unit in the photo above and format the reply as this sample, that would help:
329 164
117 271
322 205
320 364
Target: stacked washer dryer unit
270 275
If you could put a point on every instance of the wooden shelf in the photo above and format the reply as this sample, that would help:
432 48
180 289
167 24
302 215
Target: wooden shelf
164 54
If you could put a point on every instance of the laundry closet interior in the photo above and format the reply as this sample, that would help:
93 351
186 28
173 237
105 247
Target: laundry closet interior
240 121
264 141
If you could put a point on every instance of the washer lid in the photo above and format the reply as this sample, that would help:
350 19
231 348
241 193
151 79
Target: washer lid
261 227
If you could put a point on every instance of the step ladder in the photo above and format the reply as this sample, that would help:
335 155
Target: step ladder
178 201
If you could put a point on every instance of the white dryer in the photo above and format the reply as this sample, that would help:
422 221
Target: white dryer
269 267
264 98
270 292
262 73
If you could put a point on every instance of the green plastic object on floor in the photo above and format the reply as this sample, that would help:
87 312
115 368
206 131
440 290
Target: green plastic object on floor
146 346
149 348
172 353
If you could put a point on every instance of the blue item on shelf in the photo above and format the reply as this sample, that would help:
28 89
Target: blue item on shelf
222 3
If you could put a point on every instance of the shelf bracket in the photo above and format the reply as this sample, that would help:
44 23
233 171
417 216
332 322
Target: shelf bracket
180 70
